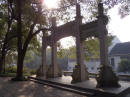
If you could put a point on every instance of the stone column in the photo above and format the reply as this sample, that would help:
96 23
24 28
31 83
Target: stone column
54 70
103 44
107 77
44 46
80 72
54 59
43 68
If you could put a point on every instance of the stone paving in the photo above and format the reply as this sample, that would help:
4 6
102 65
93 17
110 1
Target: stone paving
30 89
91 84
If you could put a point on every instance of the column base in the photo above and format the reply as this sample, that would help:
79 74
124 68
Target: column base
40 72
77 76
52 74
107 78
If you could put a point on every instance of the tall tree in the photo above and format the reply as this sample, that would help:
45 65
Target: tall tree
28 25
6 19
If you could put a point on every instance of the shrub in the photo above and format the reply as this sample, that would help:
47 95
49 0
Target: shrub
33 72
11 69
124 66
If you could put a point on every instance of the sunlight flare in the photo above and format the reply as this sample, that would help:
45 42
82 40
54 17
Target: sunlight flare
50 3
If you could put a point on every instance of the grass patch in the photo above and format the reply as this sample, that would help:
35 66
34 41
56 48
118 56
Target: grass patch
7 74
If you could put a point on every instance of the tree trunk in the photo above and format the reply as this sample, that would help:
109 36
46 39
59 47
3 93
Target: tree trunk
2 63
21 57
22 48
19 42
20 66
3 53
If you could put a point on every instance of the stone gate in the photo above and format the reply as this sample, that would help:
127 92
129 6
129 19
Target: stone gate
81 32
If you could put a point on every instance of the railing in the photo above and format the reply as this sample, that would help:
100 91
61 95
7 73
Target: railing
125 77
69 73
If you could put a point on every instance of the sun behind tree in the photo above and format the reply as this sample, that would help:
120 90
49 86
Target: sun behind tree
50 3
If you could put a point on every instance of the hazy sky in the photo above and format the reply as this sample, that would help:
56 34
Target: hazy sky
119 27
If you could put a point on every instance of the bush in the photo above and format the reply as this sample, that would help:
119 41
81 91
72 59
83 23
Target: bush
26 70
8 74
124 66
33 72
11 69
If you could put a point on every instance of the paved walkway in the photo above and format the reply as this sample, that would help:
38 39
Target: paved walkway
30 89
91 84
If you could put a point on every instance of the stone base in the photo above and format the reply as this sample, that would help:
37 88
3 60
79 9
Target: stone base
41 72
51 74
76 75
107 78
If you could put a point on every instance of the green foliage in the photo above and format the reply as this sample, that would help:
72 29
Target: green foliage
12 69
8 74
29 14
33 72
124 66
91 49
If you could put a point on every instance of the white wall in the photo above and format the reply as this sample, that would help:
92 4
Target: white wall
71 66
92 66
117 59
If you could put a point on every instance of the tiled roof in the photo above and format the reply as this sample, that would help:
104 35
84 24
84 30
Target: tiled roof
121 49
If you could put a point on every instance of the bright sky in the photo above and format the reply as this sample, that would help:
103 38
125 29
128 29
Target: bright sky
50 3
117 26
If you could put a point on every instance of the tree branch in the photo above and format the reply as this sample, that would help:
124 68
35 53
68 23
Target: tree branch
38 31
14 36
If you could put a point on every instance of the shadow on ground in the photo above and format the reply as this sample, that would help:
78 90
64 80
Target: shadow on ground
30 89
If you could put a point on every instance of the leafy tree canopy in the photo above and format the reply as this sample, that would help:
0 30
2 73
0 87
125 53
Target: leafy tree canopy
91 49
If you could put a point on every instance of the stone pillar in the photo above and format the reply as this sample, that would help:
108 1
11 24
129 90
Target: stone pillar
54 70
107 77
44 65
80 72
54 61
43 68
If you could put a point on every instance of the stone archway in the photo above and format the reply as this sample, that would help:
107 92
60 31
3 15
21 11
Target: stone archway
81 31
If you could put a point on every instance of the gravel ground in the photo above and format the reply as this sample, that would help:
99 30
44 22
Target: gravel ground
30 89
